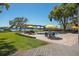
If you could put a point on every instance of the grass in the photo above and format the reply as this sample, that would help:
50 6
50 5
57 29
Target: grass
20 42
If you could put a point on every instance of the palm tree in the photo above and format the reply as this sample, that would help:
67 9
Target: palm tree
6 5
18 22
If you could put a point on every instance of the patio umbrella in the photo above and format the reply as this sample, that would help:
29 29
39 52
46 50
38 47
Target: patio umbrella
74 27
50 26
31 27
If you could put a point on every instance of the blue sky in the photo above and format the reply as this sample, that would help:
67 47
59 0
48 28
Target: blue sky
35 13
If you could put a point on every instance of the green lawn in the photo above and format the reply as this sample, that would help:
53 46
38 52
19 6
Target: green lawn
19 42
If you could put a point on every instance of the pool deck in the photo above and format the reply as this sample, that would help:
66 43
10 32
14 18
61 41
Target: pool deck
67 46
66 39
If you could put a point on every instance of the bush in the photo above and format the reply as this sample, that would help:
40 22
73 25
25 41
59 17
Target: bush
7 30
30 32
25 35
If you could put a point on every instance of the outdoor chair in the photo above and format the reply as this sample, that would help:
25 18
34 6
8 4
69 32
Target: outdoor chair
50 36
29 32
46 34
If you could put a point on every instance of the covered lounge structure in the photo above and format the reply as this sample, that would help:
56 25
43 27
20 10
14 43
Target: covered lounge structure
35 26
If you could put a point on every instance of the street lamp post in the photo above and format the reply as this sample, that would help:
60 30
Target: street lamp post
78 20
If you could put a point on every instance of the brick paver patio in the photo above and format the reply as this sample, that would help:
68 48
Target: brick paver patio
51 50
68 46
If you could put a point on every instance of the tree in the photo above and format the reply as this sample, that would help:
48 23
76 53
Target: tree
72 10
63 12
59 14
6 5
18 22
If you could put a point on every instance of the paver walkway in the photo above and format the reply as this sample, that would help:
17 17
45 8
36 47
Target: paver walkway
68 46
51 50
66 39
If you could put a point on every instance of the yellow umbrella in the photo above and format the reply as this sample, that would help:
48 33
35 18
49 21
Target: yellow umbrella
50 26
74 27
30 26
